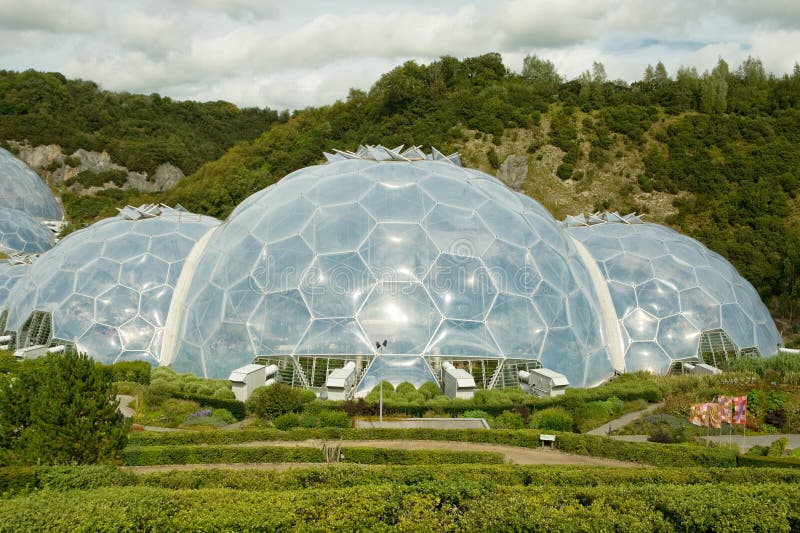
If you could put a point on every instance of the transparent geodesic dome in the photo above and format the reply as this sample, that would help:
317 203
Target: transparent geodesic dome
19 232
108 287
438 260
21 188
668 290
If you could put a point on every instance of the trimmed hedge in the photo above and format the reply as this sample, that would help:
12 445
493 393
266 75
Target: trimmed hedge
15 480
779 462
640 452
234 407
456 505
179 455
387 456
646 452
182 455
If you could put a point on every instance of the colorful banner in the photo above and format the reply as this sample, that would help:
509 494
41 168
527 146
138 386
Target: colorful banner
714 415
704 414
724 403
739 409
694 415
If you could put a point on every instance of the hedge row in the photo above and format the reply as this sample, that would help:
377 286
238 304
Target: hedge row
180 455
648 391
234 407
454 505
646 452
640 452
779 462
19 480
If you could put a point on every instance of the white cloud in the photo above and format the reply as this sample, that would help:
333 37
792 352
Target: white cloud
311 52
54 16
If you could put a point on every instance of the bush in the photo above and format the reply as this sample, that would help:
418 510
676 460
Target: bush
405 388
476 413
275 400
508 420
334 419
555 419
429 390
286 421
137 371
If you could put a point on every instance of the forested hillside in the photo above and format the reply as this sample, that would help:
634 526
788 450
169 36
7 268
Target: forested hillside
715 154
140 132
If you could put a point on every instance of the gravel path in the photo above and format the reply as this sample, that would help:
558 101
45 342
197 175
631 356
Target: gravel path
624 420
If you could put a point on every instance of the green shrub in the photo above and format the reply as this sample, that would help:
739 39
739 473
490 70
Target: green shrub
405 388
334 419
777 447
275 400
508 420
429 390
286 421
555 419
137 371
476 413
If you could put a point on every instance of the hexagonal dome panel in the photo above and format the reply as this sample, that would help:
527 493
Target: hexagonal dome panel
438 260
24 190
667 289
109 286
19 232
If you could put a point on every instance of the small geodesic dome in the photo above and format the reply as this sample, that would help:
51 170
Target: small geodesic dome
19 232
106 289
21 188
441 262
674 298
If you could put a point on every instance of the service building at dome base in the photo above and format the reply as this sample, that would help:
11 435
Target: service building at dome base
396 265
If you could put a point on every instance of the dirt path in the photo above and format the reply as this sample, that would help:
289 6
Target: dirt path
511 454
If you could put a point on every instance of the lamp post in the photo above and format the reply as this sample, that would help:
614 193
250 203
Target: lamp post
380 346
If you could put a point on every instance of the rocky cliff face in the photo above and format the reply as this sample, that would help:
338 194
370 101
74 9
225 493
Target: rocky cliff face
56 168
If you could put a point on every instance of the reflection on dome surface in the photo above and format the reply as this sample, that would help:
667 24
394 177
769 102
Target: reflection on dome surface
668 289
24 190
107 288
439 261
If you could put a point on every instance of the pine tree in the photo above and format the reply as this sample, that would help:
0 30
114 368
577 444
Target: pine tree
62 411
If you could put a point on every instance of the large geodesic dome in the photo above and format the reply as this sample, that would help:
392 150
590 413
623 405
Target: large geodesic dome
396 262
19 232
21 188
107 289
9 274
674 298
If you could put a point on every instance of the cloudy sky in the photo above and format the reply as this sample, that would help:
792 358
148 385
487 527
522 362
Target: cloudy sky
295 54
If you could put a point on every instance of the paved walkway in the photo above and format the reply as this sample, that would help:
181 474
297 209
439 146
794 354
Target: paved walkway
606 429
745 443
125 405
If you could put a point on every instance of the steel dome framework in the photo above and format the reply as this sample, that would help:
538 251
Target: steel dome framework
106 289
675 300
22 189
442 262
396 261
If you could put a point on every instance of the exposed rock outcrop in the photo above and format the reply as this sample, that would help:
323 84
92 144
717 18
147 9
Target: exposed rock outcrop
513 171
57 168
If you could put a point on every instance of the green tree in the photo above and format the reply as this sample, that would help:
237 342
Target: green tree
60 410
541 73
